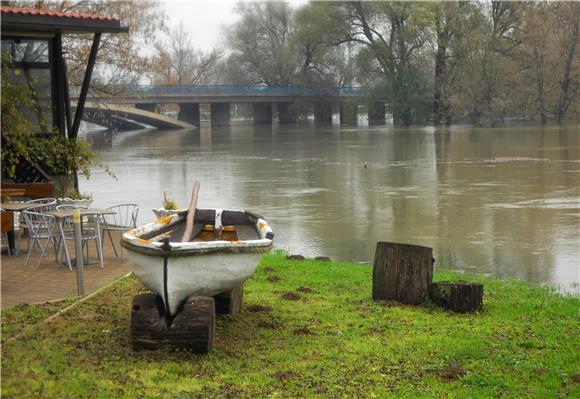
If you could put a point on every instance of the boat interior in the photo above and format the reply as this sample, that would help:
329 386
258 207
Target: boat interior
211 225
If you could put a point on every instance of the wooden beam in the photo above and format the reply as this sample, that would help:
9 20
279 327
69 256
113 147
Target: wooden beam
85 87
67 108
59 77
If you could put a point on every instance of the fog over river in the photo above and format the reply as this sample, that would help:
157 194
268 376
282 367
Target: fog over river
503 201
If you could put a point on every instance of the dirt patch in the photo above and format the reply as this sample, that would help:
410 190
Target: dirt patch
90 316
295 257
302 331
541 370
388 303
270 325
576 378
323 259
284 375
268 269
291 296
452 372
376 330
306 290
274 279
258 308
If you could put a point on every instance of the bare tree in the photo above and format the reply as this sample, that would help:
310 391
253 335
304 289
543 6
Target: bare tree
177 62
121 59
262 44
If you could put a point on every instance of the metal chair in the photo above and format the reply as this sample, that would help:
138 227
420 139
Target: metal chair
40 205
41 227
123 220
90 230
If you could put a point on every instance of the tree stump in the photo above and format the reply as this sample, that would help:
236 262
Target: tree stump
229 302
192 328
460 297
402 272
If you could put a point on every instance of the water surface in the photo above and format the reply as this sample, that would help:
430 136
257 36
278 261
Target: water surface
499 201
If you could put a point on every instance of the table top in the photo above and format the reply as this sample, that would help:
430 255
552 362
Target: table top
16 206
84 211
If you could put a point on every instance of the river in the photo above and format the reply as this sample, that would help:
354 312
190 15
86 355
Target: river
501 201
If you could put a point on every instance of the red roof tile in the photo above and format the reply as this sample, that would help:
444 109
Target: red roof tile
53 13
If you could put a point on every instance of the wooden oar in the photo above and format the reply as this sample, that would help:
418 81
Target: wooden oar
190 215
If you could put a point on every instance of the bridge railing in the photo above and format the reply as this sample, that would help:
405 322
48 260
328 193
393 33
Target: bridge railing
238 90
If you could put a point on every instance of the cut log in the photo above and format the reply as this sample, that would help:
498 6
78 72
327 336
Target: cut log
193 328
229 302
402 272
460 297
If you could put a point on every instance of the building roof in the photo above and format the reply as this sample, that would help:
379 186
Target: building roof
27 20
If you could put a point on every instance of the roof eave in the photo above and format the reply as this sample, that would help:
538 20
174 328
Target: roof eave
44 23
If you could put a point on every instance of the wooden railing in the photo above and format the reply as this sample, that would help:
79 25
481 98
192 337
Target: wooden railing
32 190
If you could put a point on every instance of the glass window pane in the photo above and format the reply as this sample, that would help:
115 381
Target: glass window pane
38 82
25 50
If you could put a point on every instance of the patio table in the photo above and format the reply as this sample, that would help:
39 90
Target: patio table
68 213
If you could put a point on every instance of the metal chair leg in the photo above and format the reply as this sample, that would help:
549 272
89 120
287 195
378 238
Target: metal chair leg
42 251
100 247
30 249
113 243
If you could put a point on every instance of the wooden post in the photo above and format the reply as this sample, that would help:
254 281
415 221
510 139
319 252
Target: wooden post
193 328
85 87
402 272
190 214
460 297
76 218
229 302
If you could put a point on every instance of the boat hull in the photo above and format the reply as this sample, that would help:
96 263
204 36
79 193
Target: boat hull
178 269
206 275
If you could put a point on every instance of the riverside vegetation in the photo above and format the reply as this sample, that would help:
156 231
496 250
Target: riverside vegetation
307 329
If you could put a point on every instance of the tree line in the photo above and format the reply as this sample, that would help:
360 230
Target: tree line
476 61
438 61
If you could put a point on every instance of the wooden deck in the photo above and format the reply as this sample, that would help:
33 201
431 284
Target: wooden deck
51 281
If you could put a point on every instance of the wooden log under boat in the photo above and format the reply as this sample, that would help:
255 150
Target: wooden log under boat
193 328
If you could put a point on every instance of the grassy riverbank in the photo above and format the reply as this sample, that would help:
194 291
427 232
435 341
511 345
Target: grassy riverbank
307 329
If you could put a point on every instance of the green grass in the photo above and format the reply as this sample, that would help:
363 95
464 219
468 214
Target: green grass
332 342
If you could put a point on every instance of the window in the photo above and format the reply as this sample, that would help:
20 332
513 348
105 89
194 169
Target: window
28 63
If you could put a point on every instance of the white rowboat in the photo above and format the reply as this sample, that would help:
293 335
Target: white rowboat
175 270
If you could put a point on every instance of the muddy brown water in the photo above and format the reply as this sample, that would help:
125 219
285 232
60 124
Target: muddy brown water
503 201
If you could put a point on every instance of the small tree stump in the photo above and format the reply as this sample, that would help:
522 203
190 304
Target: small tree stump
402 272
193 328
459 297
229 302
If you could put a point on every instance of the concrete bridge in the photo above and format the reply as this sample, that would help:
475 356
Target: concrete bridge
266 102
123 117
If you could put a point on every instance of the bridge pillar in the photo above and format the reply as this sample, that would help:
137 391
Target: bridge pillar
262 113
348 114
286 113
220 114
147 107
377 114
189 112
323 113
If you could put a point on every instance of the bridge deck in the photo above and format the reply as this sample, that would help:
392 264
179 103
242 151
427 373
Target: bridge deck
232 94
138 115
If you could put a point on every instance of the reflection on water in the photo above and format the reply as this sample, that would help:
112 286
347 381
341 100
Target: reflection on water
498 201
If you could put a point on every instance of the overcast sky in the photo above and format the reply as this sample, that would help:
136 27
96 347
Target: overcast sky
204 19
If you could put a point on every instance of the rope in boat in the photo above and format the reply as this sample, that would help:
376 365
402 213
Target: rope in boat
166 250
